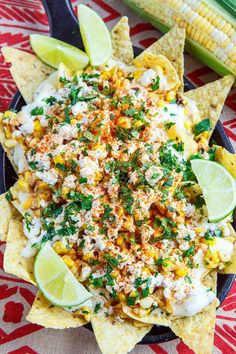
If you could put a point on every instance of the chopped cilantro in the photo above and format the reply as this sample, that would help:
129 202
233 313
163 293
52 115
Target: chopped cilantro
188 279
81 244
37 111
97 307
67 115
169 182
131 300
127 199
164 262
50 100
96 282
203 126
8 196
168 125
61 166
199 202
156 84
33 164
83 180
82 201
112 261
107 213
189 252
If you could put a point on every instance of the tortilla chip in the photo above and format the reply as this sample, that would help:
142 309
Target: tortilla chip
231 267
115 337
157 62
27 71
8 212
226 159
151 318
121 43
210 99
14 263
197 332
45 314
171 45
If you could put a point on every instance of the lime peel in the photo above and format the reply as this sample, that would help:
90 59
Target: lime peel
55 280
218 188
53 52
95 36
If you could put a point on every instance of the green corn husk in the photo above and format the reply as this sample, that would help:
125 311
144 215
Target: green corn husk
154 12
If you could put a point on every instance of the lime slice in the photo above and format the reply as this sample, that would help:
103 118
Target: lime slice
218 188
53 52
95 35
57 283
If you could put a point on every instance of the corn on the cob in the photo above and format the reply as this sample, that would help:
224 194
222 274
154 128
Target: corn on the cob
210 29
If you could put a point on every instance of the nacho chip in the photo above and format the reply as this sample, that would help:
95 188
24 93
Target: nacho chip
226 159
14 263
8 213
197 332
45 314
121 43
122 336
210 99
171 45
27 71
156 319
161 65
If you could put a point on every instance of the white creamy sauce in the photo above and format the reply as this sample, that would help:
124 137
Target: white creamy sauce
224 247
148 77
32 232
19 158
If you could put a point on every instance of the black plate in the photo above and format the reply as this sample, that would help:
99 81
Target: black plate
64 26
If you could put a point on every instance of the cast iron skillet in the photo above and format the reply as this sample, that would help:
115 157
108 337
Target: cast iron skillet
64 26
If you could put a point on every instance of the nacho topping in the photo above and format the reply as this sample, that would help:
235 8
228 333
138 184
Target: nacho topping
105 177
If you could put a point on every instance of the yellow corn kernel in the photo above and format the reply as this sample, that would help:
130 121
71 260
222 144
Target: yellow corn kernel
98 176
150 253
215 257
124 122
68 261
59 248
115 273
73 121
138 123
209 242
37 127
105 75
120 212
181 272
8 133
23 186
147 270
187 124
133 294
119 240
87 256
143 313
10 143
121 297
42 186
137 74
64 192
160 103
10 114
58 159
27 176
28 203
199 230
128 224
170 96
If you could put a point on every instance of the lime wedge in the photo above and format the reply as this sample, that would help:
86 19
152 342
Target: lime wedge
95 35
57 283
53 52
218 188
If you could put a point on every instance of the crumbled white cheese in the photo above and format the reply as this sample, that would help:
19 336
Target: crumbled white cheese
79 107
69 181
49 177
68 132
153 175
88 168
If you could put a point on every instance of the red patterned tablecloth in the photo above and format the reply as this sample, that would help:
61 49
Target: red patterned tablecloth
19 18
